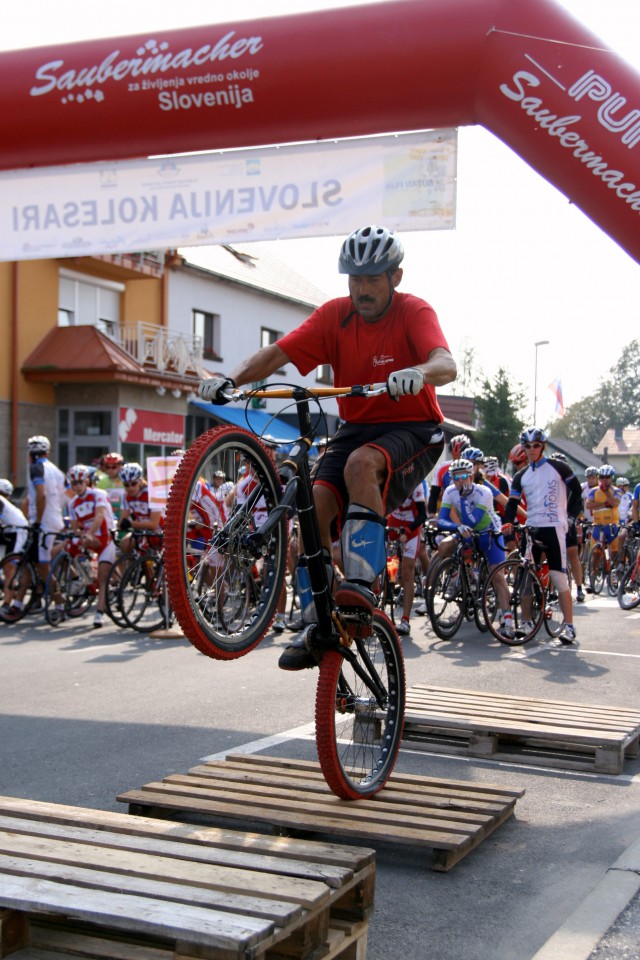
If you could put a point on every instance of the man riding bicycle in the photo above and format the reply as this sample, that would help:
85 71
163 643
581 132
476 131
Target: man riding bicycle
383 449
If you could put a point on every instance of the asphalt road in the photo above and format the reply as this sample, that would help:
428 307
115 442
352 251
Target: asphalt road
85 715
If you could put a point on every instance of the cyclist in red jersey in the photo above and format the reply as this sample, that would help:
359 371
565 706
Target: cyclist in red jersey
135 510
383 449
442 479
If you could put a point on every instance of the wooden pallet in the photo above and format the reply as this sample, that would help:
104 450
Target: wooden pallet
450 818
90 883
555 733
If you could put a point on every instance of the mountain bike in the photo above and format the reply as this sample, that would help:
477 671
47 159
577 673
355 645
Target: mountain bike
360 695
533 599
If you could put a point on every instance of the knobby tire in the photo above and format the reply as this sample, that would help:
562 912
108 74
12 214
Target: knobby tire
197 588
357 738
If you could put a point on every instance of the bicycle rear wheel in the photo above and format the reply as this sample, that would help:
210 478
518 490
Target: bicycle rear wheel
202 553
360 701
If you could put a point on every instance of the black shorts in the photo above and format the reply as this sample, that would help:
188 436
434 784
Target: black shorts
554 546
410 448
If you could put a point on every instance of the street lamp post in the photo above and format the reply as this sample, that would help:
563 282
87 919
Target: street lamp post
538 343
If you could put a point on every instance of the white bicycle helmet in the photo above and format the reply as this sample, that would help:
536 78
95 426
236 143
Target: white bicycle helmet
38 444
370 251
6 487
458 443
131 472
621 481
606 471
591 472
78 472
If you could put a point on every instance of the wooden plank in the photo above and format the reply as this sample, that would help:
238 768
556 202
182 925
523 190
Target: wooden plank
517 728
144 915
449 817
310 857
124 863
334 876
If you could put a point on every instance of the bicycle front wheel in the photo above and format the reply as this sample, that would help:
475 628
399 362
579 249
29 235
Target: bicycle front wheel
597 572
360 701
517 582
210 545
629 588
446 598
144 597
18 576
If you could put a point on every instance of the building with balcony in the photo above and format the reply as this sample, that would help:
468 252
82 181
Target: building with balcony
106 352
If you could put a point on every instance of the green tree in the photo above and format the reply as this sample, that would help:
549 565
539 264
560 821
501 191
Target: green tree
615 403
500 406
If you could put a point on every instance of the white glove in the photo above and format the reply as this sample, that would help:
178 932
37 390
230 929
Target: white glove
212 388
404 382
464 531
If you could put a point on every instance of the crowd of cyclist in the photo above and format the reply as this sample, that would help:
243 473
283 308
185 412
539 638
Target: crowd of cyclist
100 506
108 506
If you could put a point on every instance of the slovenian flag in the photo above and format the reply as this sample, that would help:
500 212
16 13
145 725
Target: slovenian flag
556 386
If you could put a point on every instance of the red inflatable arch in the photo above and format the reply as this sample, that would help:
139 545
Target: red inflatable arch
524 69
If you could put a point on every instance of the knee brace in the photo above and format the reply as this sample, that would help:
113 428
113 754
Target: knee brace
363 552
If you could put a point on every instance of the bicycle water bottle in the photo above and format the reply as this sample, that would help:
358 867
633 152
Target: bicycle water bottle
85 566
544 574
307 606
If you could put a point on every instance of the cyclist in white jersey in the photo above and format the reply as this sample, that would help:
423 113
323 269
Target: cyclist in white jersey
553 495
13 522
45 499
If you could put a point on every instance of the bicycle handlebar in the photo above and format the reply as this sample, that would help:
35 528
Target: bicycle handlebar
287 393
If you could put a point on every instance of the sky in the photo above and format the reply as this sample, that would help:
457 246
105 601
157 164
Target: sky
522 266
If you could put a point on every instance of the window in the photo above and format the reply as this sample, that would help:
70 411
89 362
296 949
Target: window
88 301
267 337
207 327
324 374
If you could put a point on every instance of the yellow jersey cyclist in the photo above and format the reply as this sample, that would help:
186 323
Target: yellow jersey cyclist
603 502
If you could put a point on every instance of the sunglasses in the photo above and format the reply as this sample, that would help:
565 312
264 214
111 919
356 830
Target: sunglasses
532 446
461 476
77 483
134 483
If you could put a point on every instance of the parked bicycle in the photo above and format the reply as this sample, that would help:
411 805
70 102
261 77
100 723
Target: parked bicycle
360 694
533 600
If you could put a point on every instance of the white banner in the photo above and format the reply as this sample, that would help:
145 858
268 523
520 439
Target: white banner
160 474
406 182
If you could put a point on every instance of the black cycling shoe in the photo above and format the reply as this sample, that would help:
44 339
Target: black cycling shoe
299 655
295 626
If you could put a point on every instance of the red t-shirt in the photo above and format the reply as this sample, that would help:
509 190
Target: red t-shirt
362 353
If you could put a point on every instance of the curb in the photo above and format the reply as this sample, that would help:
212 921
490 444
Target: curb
583 930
